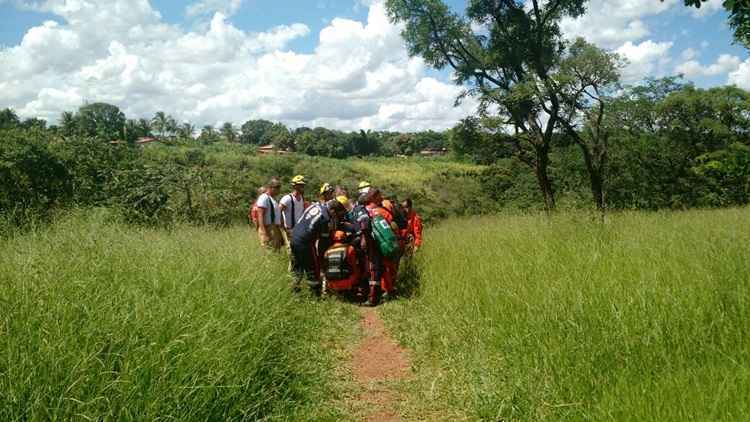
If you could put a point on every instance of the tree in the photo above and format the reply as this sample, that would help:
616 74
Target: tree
165 125
8 119
208 134
510 69
228 132
257 132
68 123
186 130
100 120
589 77
739 17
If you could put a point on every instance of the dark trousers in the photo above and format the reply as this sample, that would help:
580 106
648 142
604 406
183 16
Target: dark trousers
305 264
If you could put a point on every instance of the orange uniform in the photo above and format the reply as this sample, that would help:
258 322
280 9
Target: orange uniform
413 229
355 272
388 272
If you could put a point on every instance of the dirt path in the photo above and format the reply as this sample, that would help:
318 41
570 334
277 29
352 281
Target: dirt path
378 363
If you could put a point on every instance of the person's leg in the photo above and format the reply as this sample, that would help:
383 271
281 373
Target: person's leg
264 236
313 269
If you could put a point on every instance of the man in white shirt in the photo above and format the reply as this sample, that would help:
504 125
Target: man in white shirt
269 217
293 205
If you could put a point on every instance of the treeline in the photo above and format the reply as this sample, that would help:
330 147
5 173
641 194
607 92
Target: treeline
662 144
665 144
106 122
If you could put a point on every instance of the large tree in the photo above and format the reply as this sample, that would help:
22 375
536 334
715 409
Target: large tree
100 120
509 64
589 78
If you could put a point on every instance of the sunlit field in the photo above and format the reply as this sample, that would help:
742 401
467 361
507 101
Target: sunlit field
646 317
100 320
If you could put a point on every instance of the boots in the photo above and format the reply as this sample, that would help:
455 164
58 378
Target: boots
372 298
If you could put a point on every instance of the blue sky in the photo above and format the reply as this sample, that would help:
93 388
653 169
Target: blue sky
335 63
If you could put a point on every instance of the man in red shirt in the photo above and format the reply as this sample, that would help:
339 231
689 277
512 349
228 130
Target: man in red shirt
413 231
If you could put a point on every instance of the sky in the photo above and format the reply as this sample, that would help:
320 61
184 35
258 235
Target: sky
334 63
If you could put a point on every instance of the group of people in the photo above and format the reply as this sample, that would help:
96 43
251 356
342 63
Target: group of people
339 242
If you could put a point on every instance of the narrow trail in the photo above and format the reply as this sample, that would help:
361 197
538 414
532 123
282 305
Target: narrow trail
378 363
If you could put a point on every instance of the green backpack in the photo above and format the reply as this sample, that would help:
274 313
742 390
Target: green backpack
384 236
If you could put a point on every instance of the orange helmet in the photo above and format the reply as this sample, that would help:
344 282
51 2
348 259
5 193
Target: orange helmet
339 236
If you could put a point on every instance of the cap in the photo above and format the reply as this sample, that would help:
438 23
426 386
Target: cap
298 180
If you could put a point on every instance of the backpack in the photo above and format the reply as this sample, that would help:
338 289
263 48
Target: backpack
385 237
335 264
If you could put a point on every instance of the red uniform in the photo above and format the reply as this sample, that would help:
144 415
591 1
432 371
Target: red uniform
355 275
388 269
413 229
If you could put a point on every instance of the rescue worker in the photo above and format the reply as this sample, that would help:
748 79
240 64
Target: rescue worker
269 217
340 264
326 195
379 276
292 206
315 221
413 231
326 192
363 187
392 215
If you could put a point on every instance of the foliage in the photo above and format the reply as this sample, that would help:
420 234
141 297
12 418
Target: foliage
529 318
32 179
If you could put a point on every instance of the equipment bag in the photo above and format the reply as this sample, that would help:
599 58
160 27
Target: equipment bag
335 263
385 237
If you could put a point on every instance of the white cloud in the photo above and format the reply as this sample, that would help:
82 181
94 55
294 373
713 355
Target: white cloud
610 23
741 76
689 54
209 7
648 58
724 64
707 8
358 76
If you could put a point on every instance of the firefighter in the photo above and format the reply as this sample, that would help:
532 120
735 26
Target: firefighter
292 205
340 264
326 195
413 231
315 221
382 268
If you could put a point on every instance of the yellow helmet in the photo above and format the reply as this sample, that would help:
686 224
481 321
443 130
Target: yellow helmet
326 188
363 184
298 180
343 200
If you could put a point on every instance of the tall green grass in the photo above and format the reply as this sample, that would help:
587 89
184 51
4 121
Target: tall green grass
103 321
646 317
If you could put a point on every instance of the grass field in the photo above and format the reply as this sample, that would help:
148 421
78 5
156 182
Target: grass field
646 317
104 321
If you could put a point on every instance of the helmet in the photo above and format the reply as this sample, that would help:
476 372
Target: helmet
363 185
326 188
339 236
298 180
343 200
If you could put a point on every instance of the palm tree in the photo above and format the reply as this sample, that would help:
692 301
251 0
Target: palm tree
186 130
159 123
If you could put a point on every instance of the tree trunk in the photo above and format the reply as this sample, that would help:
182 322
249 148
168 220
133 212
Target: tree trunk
595 176
541 165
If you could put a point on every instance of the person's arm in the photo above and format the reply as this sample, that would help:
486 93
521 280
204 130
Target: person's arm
282 207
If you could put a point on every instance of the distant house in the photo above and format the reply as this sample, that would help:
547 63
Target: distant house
433 152
271 149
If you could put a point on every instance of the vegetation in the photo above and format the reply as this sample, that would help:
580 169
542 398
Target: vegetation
103 321
527 318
